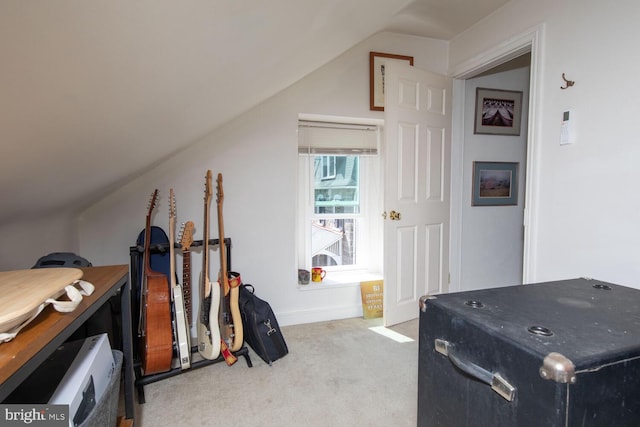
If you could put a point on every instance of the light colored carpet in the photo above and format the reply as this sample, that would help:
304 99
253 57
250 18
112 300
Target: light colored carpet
337 373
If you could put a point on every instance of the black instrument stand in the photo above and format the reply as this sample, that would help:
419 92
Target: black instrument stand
136 253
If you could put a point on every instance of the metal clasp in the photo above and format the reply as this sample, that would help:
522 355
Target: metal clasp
271 329
503 388
441 346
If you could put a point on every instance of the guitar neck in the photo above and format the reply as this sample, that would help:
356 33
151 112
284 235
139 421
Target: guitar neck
205 240
186 281
224 281
147 245
172 238
205 244
185 243
142 327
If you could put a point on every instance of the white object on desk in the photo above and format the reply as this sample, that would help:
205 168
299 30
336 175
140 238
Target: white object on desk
87 377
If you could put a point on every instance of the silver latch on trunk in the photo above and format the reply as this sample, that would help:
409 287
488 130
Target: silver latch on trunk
422 303
556 367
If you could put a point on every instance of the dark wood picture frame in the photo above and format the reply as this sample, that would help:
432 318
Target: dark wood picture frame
377 61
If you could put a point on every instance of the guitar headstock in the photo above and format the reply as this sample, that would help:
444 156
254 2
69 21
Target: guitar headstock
207 186
172 205
220 192
153 201
186 238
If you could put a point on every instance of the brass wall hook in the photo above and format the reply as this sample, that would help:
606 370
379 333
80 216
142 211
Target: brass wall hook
567 83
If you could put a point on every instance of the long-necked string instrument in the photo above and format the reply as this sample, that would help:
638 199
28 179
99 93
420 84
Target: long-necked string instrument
155 319
208 330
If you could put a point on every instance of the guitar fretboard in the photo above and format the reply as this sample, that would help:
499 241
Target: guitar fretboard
186 282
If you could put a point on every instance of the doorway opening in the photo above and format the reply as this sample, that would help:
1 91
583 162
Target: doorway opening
524 47
492 241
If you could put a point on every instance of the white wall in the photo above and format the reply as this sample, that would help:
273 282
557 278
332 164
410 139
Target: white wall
491 245
585 220
257 155
585 217
29 238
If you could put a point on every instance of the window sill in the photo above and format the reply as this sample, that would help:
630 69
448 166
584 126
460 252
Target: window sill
341 280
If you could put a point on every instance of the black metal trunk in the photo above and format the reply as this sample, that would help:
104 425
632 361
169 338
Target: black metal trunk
564 353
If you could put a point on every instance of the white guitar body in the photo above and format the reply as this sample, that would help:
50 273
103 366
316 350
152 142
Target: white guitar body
208 333
184 335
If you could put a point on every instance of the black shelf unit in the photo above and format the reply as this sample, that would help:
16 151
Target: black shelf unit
136 253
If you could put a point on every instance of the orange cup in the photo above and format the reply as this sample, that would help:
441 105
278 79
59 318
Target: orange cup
317 274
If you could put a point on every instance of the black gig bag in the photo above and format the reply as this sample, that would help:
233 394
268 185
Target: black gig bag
261 329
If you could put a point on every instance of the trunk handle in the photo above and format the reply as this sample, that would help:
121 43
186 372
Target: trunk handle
495 380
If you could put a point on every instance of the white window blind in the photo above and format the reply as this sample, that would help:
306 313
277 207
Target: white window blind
316 137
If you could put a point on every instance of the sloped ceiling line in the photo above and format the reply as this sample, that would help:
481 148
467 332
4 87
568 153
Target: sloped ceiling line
95 92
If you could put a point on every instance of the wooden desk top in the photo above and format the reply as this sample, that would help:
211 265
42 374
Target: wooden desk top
51 328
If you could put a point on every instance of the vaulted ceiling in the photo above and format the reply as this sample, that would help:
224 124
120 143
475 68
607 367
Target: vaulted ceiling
92 93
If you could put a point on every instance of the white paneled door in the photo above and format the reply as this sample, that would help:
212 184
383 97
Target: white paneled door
417 151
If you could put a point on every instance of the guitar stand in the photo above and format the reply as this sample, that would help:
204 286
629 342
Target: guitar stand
142 380
135 253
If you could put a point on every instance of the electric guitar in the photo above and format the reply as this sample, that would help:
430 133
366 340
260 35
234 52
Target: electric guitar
185 243
230 320
155 311
208 331
183 334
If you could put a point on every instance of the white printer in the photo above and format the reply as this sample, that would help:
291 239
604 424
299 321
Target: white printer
77 374
86 380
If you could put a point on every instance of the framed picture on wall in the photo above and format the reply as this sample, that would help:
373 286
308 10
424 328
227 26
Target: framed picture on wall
498 112
495 184
377 62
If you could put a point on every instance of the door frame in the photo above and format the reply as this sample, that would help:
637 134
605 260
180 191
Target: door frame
529 41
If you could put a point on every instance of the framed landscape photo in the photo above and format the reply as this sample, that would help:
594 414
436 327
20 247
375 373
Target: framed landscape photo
495 184
498 112
377 62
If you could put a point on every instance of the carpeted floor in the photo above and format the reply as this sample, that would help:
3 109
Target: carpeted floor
337 373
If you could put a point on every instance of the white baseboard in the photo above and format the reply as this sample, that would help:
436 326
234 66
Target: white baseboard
318 315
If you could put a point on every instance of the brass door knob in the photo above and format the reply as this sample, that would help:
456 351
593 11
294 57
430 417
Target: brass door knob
395 216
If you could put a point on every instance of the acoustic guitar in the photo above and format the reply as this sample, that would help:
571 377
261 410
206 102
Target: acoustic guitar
208 331
230 320
181 328
155 325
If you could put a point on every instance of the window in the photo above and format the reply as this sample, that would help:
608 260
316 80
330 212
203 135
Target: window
336 211
339 225
328 167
